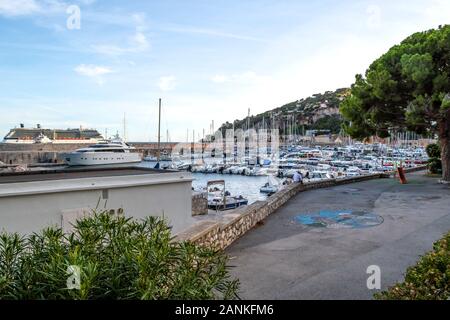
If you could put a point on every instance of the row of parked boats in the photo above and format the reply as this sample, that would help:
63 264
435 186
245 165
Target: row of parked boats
320 162
313 164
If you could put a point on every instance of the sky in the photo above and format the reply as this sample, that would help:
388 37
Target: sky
90 63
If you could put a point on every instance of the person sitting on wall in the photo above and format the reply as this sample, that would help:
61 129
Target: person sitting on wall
297 177
280 173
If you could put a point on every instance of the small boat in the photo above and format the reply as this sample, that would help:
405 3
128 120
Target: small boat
318 175
184 166
226 203
219 199
268 189
352 172
271 186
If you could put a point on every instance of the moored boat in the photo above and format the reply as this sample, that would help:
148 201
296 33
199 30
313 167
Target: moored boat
103 153
219 199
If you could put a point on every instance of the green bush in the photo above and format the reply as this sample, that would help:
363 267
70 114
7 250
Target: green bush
433 150
118 258
435 165
428 280
434 161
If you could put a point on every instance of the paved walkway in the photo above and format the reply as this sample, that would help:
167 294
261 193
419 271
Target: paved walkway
283 259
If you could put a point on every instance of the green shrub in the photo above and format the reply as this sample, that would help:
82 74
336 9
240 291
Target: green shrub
118 258
433 150
435 165
434 161
429 279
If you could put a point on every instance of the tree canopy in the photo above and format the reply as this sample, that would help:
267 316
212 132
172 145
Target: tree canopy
331 122
407 87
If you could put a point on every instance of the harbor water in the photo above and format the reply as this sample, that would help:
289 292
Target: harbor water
247 186
237 185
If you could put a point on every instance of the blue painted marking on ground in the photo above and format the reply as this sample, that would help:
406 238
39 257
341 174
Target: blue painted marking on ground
340 219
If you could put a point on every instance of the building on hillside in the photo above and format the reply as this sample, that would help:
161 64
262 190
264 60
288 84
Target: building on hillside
41 135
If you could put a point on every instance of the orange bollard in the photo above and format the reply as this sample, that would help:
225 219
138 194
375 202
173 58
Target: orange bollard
401 175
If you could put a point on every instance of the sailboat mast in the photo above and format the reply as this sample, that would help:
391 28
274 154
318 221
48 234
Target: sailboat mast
124 127
159 132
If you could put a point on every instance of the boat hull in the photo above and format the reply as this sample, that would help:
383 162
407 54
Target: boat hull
268 190
100 158
218 206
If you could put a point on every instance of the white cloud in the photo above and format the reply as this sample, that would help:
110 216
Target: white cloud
374 16
438 12
12 8
211 33
108 49
219 78
136 43
167 83
93 71
18 7
141 41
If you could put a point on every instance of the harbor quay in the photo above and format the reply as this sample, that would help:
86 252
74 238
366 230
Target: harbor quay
20 154
301 251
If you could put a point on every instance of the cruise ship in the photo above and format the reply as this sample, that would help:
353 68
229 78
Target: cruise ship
106 152
23 135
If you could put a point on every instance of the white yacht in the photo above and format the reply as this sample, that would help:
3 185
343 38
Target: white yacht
105 152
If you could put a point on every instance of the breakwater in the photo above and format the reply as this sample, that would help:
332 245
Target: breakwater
12 154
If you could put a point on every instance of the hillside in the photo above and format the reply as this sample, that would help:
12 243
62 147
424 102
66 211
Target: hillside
320 111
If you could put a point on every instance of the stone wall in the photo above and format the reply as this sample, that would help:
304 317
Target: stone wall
221 234
29 157
199 203
414 169
16 153
40 147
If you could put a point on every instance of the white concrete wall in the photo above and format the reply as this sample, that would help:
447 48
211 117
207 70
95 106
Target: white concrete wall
25 208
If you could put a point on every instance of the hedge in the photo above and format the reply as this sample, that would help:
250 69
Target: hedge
117 258
429 279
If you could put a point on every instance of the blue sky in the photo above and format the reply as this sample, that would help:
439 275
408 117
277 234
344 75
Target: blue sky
207 60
